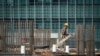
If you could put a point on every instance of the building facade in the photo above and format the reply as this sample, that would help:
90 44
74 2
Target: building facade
52 14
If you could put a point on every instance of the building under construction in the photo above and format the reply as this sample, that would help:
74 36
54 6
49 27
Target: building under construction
33 27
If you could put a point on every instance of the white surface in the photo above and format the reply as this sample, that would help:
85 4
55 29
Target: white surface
22 49
54 48
54 35
67 49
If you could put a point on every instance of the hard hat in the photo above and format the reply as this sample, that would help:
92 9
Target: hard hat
66 24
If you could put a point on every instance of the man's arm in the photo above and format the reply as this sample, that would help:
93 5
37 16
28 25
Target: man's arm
62 32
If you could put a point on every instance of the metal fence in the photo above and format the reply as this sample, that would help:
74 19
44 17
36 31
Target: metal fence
14 34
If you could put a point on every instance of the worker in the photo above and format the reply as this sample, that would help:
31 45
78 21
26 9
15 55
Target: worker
64 31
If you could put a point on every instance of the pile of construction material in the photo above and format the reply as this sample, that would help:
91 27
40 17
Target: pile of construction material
43 52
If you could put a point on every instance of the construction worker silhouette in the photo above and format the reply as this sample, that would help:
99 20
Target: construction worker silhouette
64 31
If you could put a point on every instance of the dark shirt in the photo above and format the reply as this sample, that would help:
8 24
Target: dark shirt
65 32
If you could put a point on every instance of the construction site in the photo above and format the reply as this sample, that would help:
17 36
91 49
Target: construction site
49 27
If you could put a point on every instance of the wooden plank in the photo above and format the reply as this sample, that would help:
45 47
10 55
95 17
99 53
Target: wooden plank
31 37
90 41
80 40
63 40
48 36
3 35
87 41
77 38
